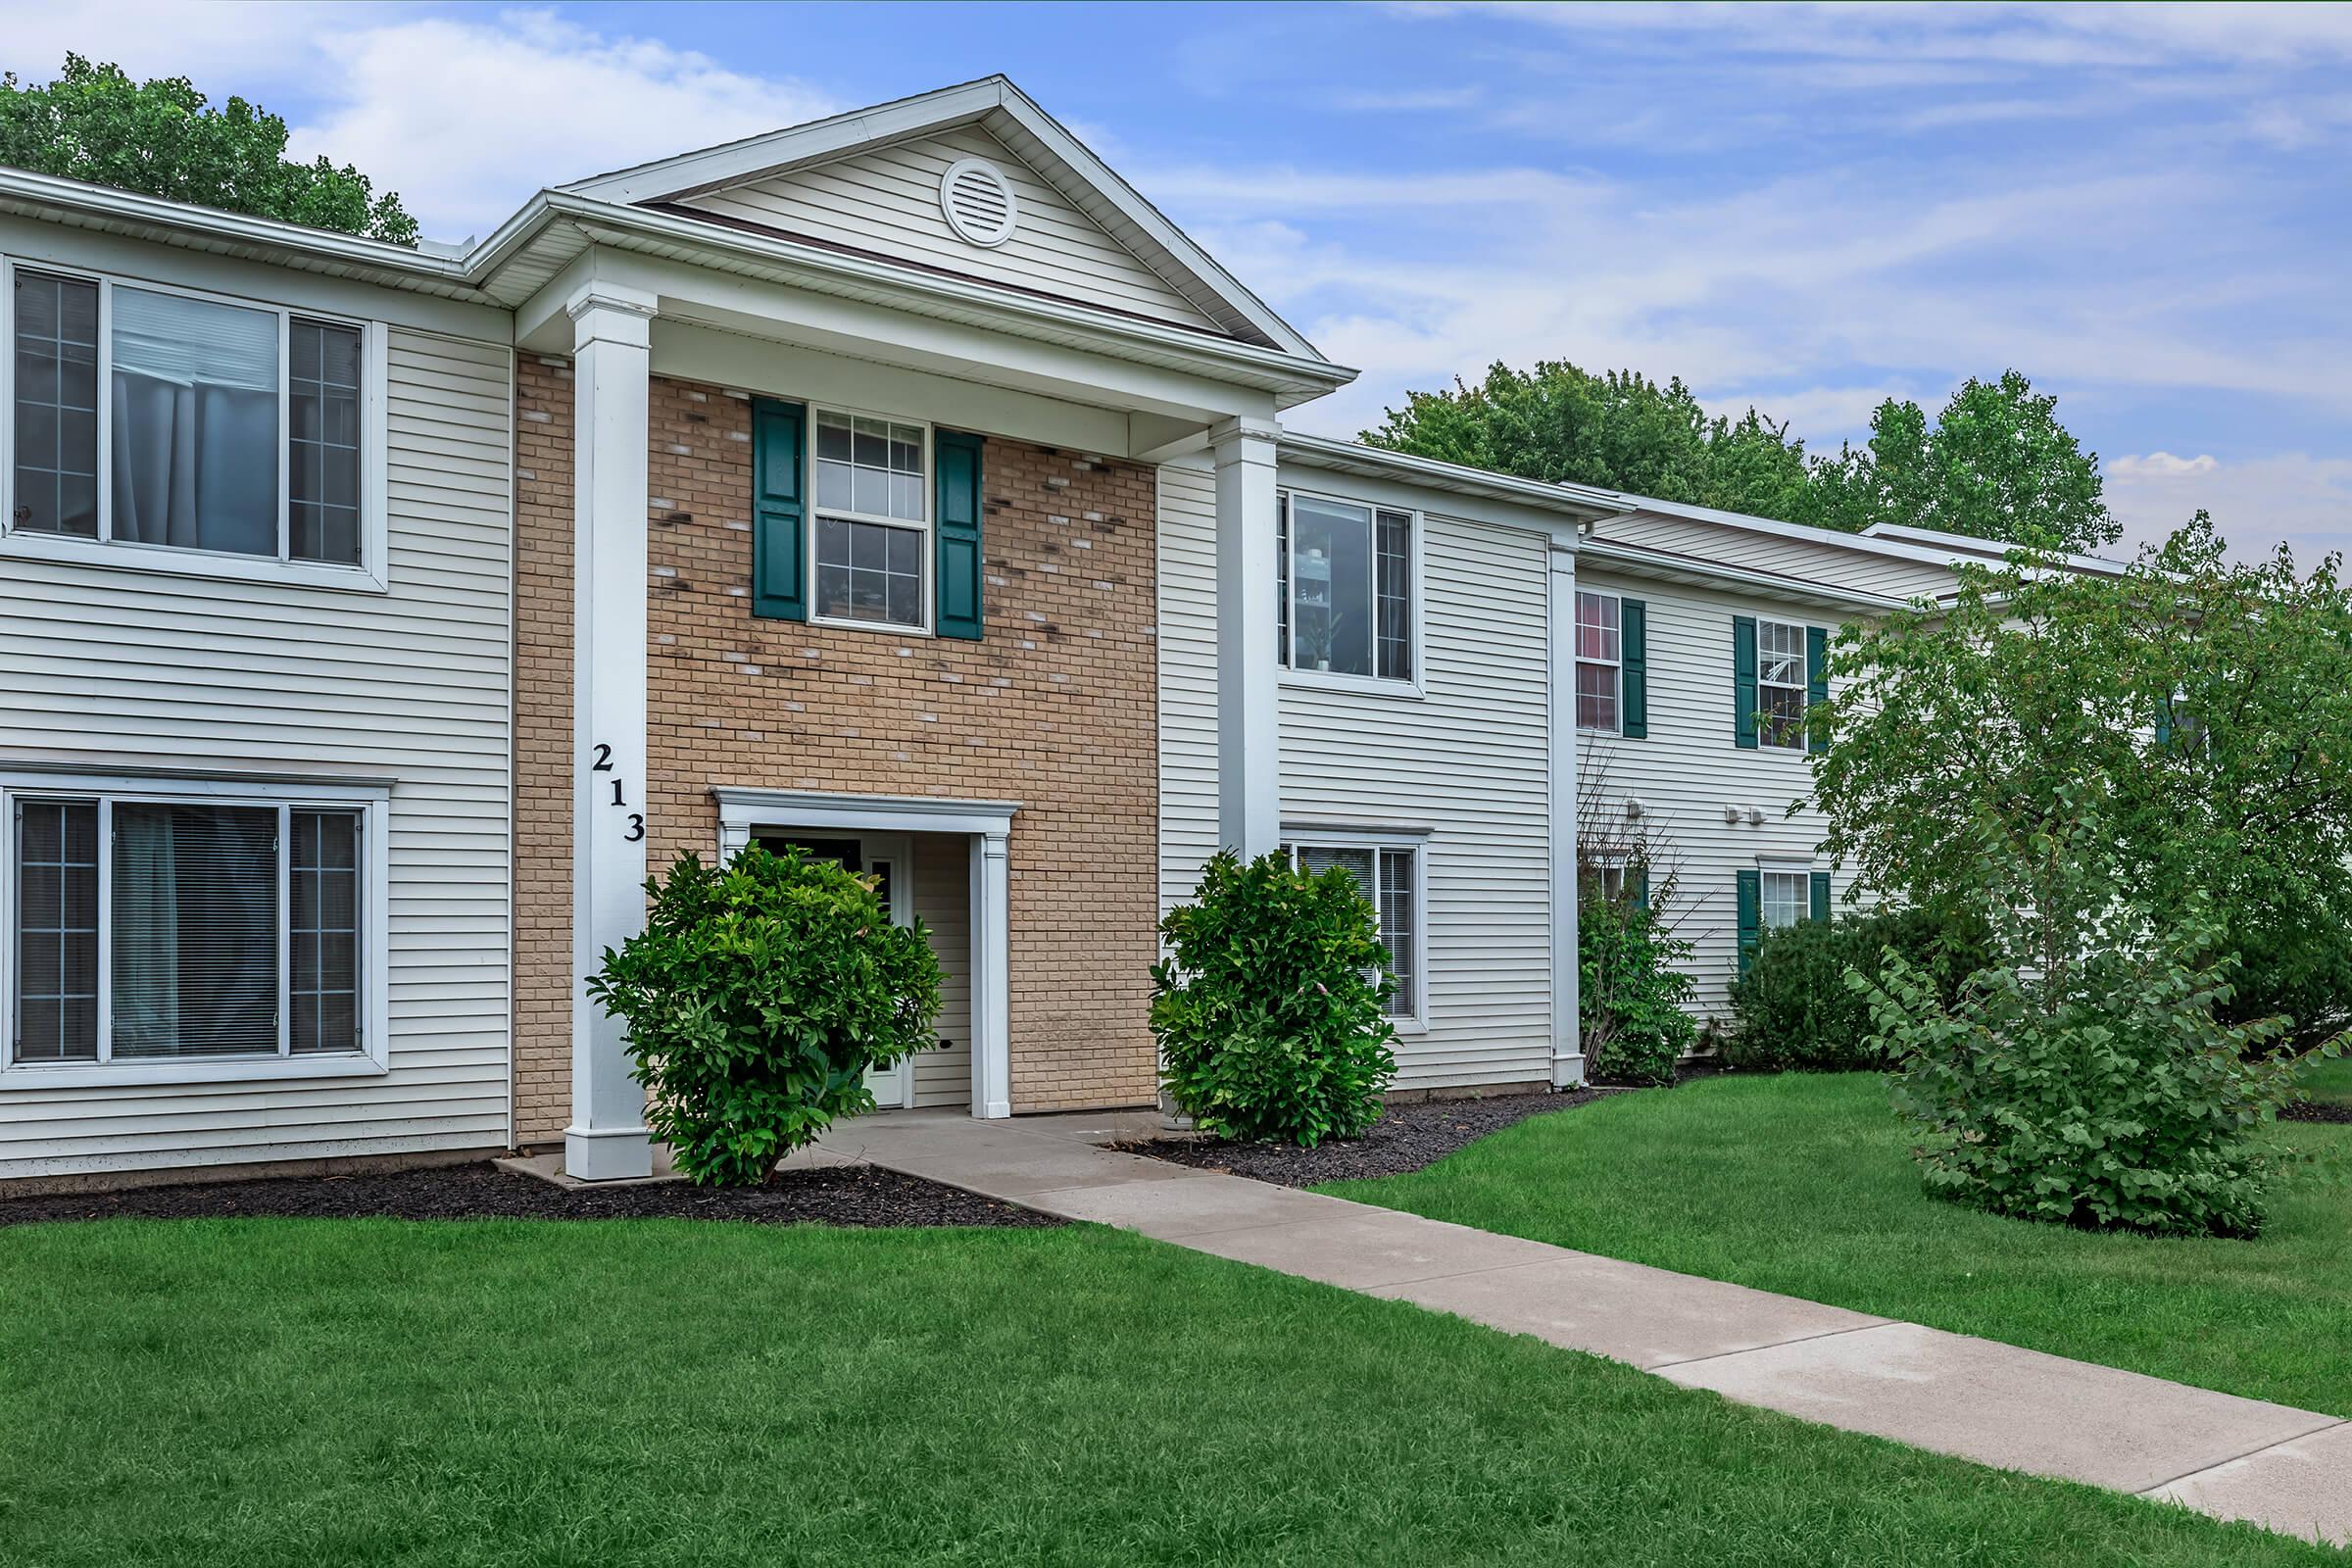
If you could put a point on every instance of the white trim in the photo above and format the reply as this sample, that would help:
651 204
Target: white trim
371 1011
1248 662
986 824
369 574
1616 665
1803 684
926 530
1413 843
1567 1029
1582 503
1287 544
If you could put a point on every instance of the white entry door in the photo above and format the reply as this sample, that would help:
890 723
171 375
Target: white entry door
886 857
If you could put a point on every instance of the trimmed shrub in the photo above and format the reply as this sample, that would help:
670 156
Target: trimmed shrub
1793 1010
2087 1078
1631 996
1271 1007
756 998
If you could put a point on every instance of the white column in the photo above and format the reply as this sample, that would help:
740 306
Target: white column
1248 733
612 362
992 986
1567 1039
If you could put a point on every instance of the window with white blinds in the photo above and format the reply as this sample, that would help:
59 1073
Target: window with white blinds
1389 878
160 929
231 429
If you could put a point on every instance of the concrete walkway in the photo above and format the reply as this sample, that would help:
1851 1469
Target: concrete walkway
2287 1469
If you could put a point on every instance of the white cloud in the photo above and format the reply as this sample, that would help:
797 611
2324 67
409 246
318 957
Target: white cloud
2303 500
467 117
464 114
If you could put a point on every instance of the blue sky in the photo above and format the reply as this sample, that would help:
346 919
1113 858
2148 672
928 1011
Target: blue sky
1805 208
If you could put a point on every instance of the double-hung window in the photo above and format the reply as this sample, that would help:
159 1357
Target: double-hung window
872 520
145 418
1785 896
1780 684
1600 661
1390 876
1343 588
154 925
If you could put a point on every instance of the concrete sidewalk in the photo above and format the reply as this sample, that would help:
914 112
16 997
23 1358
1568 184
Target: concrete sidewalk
2289 1470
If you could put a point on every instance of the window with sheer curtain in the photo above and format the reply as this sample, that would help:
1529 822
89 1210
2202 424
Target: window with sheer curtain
168 929
231 430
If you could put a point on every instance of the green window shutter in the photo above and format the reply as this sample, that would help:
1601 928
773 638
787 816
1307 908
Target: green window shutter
779 511
1641 887
1817 679
1751 913
2164 722
1744 683
959 507
1633 653
1820 897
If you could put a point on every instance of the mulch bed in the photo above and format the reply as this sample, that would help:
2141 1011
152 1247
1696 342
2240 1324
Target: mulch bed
854 1196
2315 1111
1405 1139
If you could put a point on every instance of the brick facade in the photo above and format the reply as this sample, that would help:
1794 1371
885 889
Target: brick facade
1055 707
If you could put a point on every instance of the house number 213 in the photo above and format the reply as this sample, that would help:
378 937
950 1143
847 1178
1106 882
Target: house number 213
621 801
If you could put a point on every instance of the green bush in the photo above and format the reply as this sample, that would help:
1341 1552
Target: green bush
2087 1079
1794 1009
1271 1007
756 1001
1630 996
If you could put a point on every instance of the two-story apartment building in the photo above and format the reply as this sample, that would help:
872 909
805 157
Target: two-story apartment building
902 485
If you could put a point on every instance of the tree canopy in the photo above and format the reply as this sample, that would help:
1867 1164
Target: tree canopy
1995 462
2204 708
164 138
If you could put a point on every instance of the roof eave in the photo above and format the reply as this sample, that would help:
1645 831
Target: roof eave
1582 502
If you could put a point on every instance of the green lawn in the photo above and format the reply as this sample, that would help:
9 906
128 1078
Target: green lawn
2329 1082
1801 1184
270 1392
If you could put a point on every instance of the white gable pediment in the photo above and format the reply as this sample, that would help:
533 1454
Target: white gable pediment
870 182
887 201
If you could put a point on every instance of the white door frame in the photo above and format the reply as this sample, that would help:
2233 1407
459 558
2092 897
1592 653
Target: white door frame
986 824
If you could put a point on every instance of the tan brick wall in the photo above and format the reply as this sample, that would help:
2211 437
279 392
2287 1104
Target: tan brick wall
1055 707
542 749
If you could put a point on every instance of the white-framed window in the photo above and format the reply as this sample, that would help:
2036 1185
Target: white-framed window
1345 589
161 427
1390 873
871 526
1784 895
1600 661
1781 685
176 930
1609 874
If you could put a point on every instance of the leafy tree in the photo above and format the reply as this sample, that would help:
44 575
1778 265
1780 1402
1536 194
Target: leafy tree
1996 465
163 138
1620 430
2085 1078
2207 704
1995 462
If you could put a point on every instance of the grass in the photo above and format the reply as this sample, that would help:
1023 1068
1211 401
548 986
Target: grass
1803 1184
2327 1082
273 1391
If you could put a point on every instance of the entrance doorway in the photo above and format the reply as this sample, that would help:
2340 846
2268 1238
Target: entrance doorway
886 857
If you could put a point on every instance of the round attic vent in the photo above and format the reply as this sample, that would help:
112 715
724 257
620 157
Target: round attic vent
978 201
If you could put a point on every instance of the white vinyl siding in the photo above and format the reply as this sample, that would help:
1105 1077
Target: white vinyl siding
171 674
1468 761
885 202
1815 556
1687 774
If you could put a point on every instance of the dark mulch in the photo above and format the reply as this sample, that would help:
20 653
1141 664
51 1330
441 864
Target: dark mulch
1405 1139
857 1196
2315 1111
